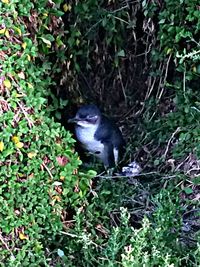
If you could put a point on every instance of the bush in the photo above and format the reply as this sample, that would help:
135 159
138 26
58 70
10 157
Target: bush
156 242
39 171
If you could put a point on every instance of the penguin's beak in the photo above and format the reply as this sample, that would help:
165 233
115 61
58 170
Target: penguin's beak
73 120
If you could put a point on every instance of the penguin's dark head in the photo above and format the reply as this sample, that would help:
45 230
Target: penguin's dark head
87 116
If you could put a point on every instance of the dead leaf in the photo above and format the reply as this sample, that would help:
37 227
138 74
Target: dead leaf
57 198
1 146
62 160
7 83
31 154
15 139
21 75
22 236
19 145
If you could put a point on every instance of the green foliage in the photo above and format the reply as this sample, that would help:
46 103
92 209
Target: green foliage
178 33
90 19
95 39
168 132
39 171
156 242
176 55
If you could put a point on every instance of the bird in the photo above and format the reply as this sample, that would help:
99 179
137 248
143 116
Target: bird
98 135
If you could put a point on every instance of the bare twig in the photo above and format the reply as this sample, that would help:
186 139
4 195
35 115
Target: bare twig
178 167
149 91
184 74
30 122
120 9
123 176
49 172
122 85
112 218
191 211
93 26
144 53
69 234
168 143
6 245
165 77
122 20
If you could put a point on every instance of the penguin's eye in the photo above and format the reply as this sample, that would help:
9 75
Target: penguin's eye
92 118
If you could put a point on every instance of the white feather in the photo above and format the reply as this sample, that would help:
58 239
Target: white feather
85 135
116 155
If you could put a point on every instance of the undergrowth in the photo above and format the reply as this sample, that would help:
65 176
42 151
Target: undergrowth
40 175
52 213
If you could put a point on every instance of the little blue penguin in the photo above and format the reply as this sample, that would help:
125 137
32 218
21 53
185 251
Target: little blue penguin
98 135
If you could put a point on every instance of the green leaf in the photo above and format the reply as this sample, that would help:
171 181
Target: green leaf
46 41
188 190
156 162
196 180
121 53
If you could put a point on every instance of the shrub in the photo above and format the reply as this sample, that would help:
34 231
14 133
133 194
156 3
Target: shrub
156 242
39 171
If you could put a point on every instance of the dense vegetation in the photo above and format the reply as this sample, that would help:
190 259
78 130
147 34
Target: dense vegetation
141 59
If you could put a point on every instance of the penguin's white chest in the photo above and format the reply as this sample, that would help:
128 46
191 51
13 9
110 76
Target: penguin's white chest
85 135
